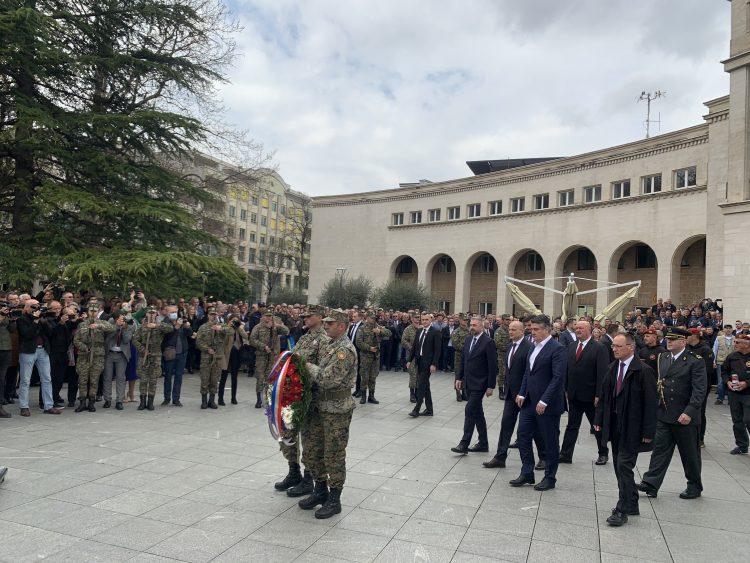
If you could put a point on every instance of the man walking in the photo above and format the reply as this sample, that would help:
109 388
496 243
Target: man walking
425 352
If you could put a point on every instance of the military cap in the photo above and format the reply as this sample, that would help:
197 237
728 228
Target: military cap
151 309
337 315
261 304
211 311
268 313
676 332
650 331
745 337
505 316
93 306
315 310
462 316
695 331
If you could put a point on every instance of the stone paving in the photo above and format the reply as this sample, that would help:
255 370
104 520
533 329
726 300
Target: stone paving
192 485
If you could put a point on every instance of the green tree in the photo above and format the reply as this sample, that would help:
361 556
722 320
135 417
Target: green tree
287 295
401 295
345 293
98 99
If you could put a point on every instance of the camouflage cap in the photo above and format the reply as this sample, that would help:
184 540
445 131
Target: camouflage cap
318 310
93 306
268 313
462 316
337 315
211 311
151 309
505 316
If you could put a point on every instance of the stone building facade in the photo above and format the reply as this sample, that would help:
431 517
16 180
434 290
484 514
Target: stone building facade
672 211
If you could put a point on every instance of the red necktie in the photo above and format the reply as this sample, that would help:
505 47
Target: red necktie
620 377
579 351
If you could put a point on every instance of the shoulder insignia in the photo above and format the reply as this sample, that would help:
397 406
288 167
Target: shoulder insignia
341 355
747 364
698 356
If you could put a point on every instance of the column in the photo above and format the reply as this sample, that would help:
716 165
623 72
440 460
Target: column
666 282
463 277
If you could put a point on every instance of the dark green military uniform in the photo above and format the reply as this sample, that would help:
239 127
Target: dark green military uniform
458 338
147 341
407 342
89 340
501 343
260 337
212 338
369 336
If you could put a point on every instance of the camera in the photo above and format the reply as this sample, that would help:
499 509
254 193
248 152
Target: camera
236 323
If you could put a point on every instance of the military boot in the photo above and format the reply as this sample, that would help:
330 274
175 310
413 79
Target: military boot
412 396
82 406
372 399
363 397
318 496
204 401
292 478
258 403
331 506
92 404
304 487
211 403
150 404
143 403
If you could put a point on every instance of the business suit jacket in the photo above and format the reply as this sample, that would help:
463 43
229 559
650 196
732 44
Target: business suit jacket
125 338
635 406
606 341
585 376
684 387
546 380
514 373
433 344
479 368
566 339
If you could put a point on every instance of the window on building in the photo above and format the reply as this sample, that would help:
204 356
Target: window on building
517 204
586 260
263 221
255 200
272 240
473 210
534 262
621 262
454 213
486 264
230 232
397 219
274 206
263 239
541 201
444 306
283 210
620 189
651 184
434 215
406 266
251 255
565 198
272 224
415 217
685 177
644 257
242 234
232 211
271 258
496 207
264 202
243 214
592 194
254 218
241 253
288 280
261 256
445 265
252 237
485 308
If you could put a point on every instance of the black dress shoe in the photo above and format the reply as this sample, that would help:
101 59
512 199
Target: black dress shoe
494 463
118 406
688 494
514 444
617 519
601 460
635 512
545 485
565 460
165 402
541 465
414 413
479 448
738 451
650 490
425 413
461 448
107 404
522 480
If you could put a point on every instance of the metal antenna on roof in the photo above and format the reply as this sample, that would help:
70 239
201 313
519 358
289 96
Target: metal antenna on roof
648 96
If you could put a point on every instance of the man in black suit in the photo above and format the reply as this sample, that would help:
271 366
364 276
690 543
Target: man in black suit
626 416
352 334
542 401
612 330
426 353
587 365
568 335
516 359
478 376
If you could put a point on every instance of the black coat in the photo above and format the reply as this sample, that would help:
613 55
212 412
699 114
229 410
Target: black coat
479 368
514 373
566 339
636 406
433 344
606 341
684 387
585 376
650 355
29 329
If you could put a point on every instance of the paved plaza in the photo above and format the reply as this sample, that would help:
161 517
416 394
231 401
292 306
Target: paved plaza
192 485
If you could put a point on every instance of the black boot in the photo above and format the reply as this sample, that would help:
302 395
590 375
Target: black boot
221 400
318 496
292 478
81 405
372 399
363 397
143 403
331 507
211 403
107 404
412 396
304 487
458 395
258 403
92 404
165 402
204 401
150 404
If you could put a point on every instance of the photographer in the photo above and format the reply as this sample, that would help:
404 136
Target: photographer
235 342
34 347
60 339
174 349
6 351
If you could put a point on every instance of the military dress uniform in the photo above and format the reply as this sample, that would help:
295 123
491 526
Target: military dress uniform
407 342
649 355
738 364
260 337
458 338
90 342
703 351
209 337
681 387
369 336
325 433
147 341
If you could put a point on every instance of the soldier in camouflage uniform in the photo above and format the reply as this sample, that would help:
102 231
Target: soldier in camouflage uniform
89 340
458 338
265 339
147 340
368 342
325 433
501 343
211 340
407 342
309 347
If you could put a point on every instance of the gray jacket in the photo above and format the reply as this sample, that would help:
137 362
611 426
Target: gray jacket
127 335
5 327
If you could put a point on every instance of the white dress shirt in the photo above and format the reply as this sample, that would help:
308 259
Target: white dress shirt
537 348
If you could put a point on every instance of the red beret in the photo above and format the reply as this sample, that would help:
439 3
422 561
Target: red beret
695 331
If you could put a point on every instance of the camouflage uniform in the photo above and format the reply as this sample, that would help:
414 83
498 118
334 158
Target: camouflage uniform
407 341
260 337
369 362
206 338
326 429
458 338
148 343
91 352
501 342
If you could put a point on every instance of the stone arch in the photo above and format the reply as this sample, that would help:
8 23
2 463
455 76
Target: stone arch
579 260
481 273
632 261
405 268
688 272
441 272
522 266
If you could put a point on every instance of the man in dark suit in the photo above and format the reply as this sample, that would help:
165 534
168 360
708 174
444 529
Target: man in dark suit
352 334
682 386
568 335
426 353
516 359
587 365
626 416
542 401
478 376
606 341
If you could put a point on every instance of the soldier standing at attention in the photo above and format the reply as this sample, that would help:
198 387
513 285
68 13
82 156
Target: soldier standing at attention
90 339
651 349
458 338
211 340
265 339
367 342
681 386
325 433
407 342
309 346
147 340
501 343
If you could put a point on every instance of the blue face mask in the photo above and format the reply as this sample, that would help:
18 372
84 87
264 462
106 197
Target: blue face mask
172 316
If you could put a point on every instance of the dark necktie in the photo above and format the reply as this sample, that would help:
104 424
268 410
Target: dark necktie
512 353
620 377
473 341
579 351
117 339
421 341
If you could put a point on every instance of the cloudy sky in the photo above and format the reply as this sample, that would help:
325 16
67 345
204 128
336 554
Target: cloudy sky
359 95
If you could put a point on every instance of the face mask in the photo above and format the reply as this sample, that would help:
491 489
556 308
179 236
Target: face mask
172 316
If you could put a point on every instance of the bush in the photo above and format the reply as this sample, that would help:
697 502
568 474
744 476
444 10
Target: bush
345 293
402 295
287 295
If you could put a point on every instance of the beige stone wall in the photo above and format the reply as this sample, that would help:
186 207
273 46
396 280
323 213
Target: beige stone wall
693 277
443 285
483 287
